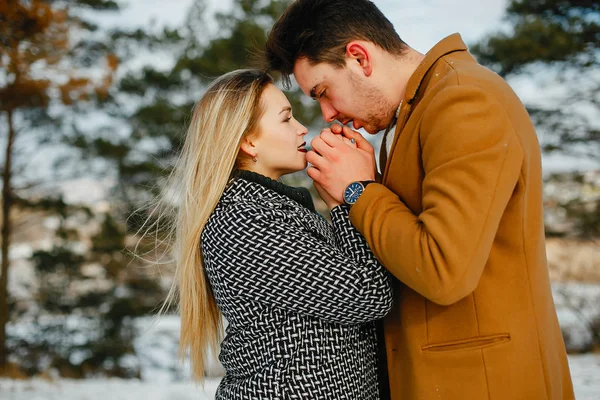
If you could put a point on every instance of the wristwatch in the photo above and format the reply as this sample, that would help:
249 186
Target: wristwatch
354 190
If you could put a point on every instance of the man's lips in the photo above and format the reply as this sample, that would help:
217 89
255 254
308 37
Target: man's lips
356 125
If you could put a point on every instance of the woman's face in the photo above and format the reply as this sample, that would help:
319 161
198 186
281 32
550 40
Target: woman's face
279 144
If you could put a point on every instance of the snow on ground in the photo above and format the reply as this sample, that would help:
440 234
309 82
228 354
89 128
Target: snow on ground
577 304
104 389
585 370
164 378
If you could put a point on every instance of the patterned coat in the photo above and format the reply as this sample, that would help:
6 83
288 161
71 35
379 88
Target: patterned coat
300 296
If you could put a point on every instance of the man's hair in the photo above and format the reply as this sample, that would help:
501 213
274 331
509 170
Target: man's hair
320 30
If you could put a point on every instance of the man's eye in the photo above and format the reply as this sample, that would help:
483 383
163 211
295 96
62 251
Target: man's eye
322 93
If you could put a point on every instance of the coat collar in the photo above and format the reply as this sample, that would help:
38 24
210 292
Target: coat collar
298 194
448 45
250 185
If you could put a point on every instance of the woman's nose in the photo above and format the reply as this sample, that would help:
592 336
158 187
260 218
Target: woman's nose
302 130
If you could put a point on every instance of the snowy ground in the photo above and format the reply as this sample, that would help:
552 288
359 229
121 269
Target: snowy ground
577 304
584 368
104 389
163 378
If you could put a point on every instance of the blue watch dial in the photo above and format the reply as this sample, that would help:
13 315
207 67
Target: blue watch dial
353 192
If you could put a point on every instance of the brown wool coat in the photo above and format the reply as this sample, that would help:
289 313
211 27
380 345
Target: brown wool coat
458 221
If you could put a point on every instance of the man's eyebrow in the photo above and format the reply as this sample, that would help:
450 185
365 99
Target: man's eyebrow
313 91
287 108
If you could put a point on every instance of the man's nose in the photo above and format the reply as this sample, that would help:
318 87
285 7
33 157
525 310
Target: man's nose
328 111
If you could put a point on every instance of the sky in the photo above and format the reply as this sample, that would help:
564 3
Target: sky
420 23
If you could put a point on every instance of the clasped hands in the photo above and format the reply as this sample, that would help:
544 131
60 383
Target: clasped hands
337 160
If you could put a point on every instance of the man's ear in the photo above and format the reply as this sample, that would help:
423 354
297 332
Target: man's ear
248 146
359 55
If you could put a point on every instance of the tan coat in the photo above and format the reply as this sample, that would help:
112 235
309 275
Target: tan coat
458 220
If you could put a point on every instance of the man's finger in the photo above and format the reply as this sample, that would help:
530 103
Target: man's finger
332 139
321 146
349 142
314 174
337 134
336 129
361 142
316 160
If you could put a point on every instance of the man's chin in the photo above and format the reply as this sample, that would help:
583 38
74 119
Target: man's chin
372 130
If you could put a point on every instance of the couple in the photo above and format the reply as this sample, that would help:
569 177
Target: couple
446 245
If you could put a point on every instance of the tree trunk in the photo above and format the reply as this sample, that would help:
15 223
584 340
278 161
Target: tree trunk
6 231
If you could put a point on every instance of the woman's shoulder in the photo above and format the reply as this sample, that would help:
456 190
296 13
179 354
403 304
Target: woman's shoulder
246 209
247 204
234 211
242 195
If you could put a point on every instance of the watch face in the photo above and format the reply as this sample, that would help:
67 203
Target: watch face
353 192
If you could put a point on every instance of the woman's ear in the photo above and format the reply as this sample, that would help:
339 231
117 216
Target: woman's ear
248 146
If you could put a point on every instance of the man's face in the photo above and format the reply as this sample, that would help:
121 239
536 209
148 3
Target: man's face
345 94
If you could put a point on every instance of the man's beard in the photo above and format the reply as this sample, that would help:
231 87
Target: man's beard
380 111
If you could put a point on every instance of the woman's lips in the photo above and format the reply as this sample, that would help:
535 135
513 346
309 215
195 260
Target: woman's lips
301 148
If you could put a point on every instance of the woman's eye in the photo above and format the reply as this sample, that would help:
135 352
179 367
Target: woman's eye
288 119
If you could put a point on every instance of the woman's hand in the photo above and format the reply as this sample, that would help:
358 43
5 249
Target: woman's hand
330 201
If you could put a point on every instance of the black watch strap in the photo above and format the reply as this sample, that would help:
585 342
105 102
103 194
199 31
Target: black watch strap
365 183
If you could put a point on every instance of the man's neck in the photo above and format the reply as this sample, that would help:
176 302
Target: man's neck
401 70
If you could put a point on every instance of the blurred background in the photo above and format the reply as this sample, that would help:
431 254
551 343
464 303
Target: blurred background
94 99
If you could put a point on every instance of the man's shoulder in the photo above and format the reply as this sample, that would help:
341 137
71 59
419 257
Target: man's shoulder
464 70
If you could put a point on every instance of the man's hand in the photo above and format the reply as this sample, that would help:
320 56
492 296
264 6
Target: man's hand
335 164
330 201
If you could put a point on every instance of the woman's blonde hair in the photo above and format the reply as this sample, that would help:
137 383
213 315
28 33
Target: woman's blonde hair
228 112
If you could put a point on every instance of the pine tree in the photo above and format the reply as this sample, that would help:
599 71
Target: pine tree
40 62
164 98
564 36
559 38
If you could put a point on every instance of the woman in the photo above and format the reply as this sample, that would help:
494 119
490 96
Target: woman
300 295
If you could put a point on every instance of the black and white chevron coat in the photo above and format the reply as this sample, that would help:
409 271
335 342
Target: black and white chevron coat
300 296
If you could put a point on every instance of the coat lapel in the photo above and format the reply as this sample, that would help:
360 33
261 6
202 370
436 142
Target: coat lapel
413 89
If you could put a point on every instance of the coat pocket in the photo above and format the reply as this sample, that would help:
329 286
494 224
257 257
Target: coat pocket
478 342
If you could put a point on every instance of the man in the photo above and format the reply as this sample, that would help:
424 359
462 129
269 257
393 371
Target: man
456 215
